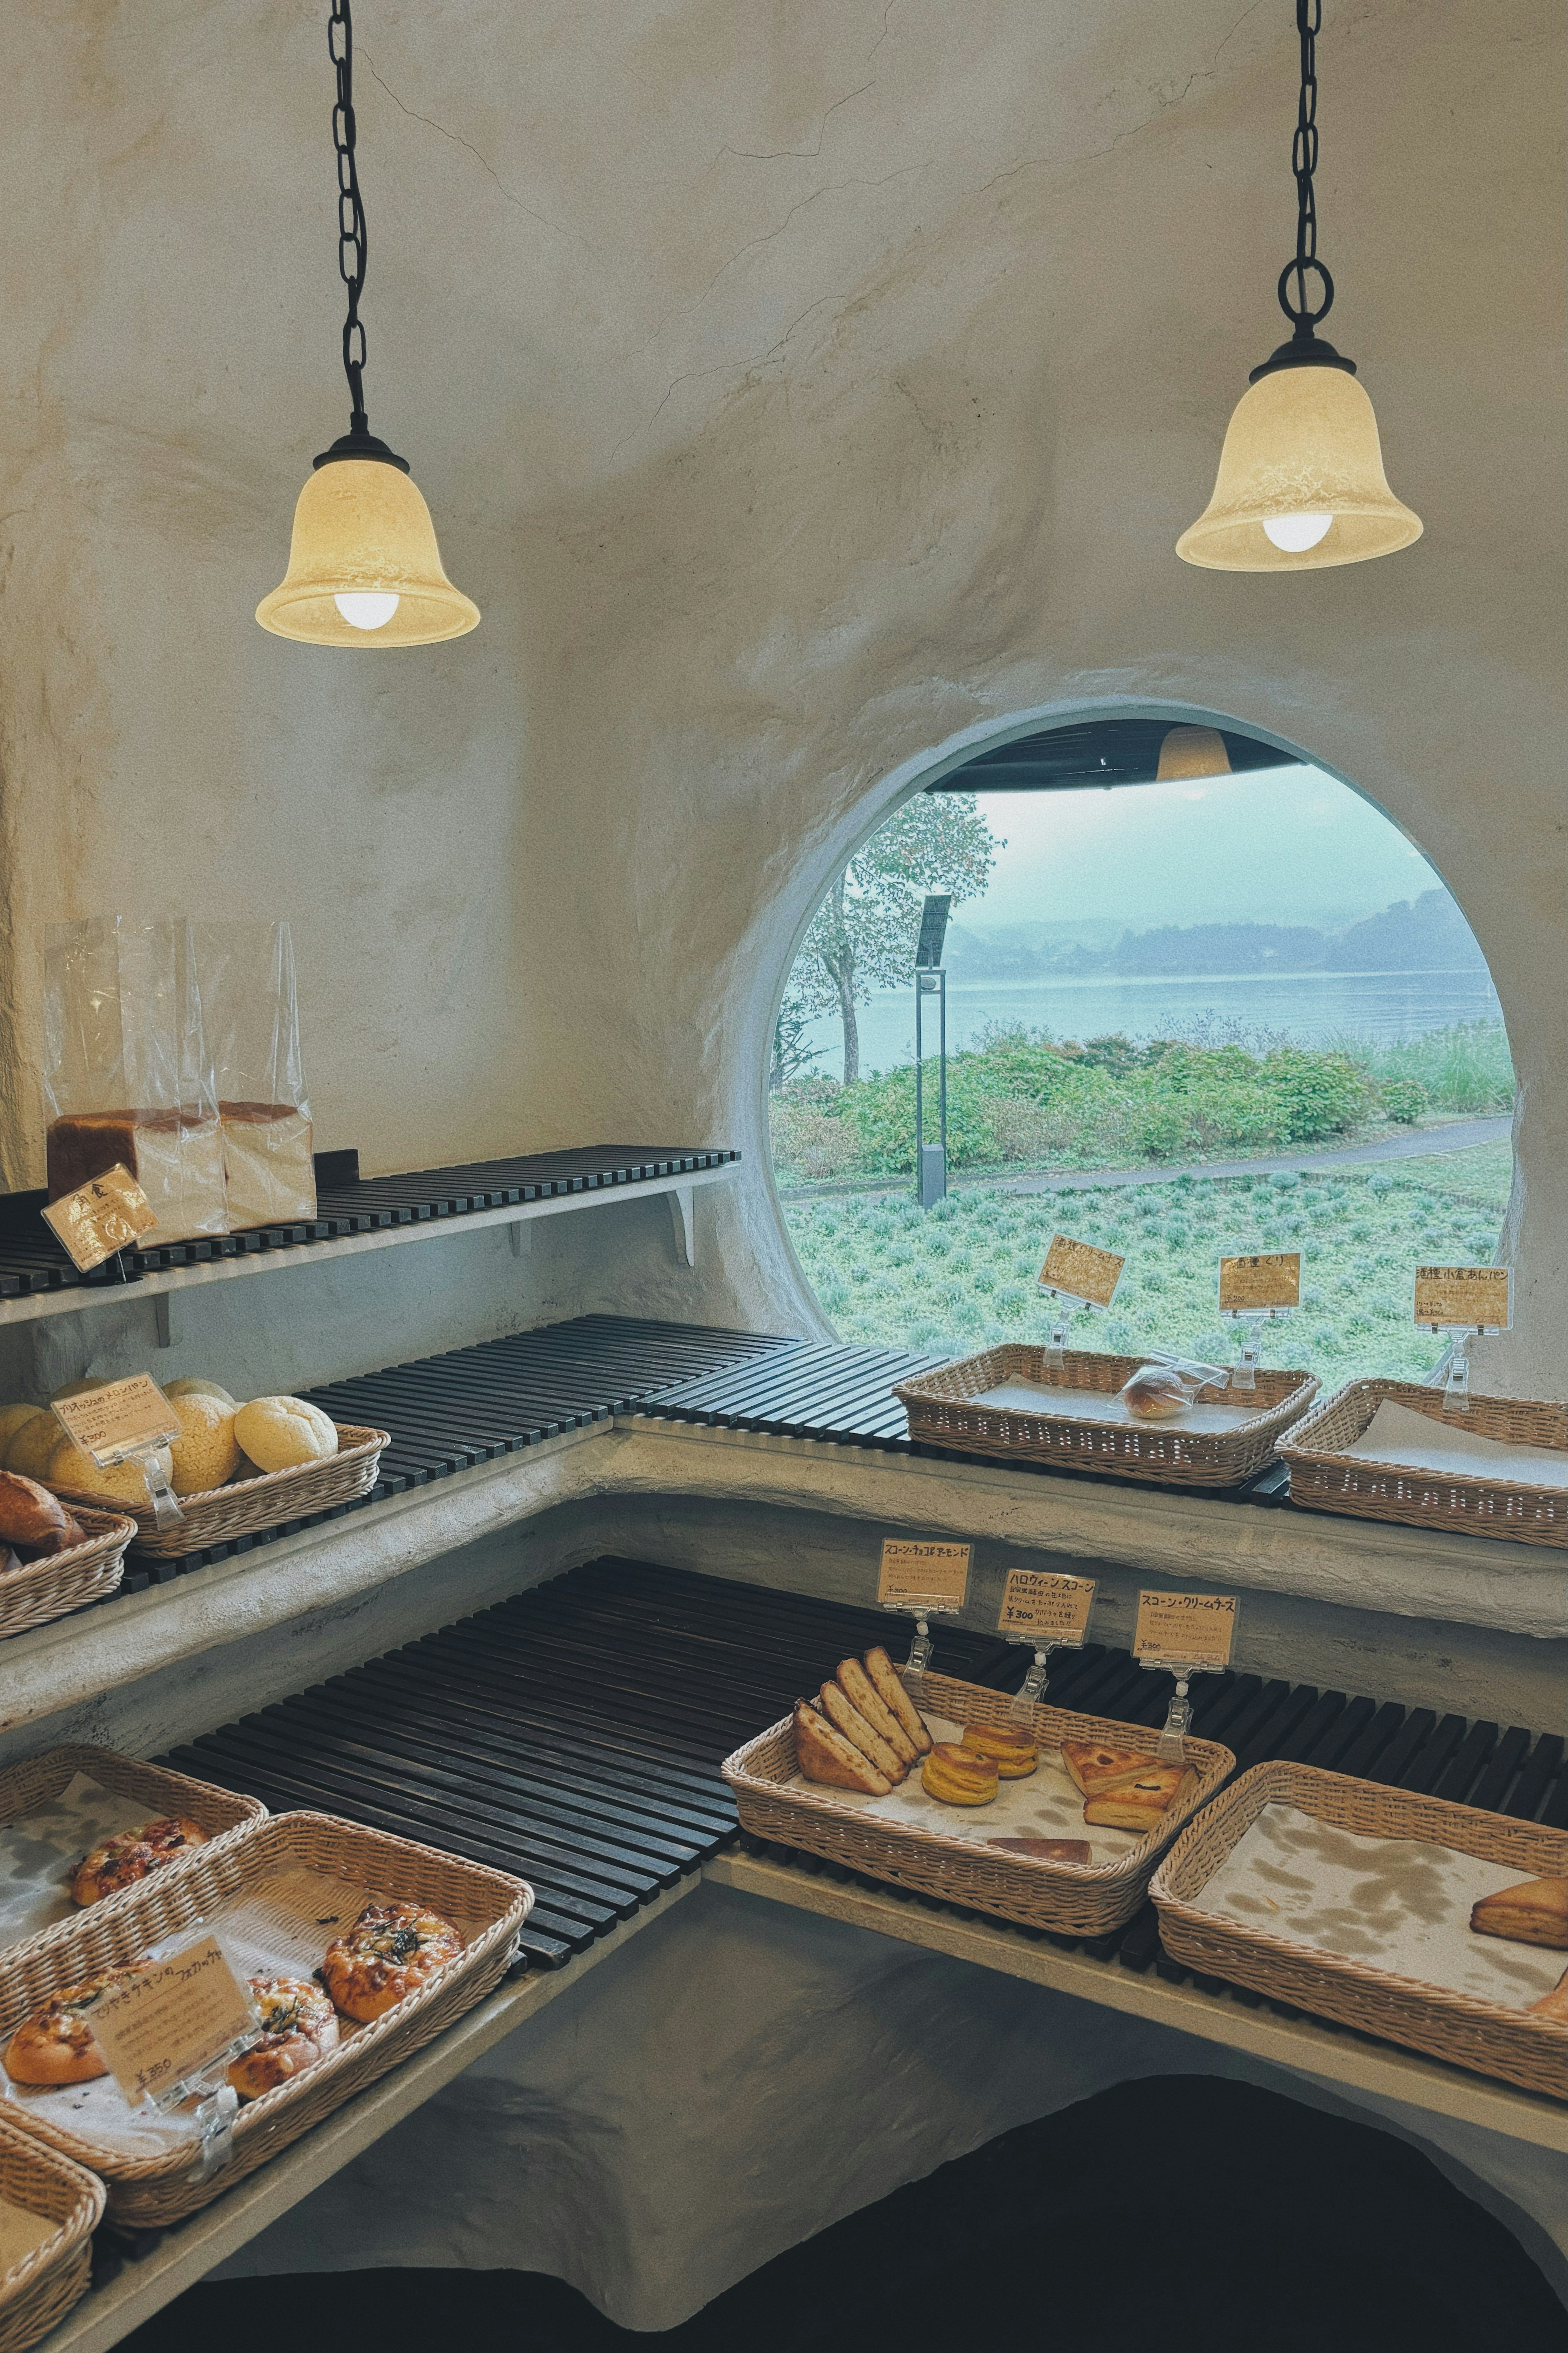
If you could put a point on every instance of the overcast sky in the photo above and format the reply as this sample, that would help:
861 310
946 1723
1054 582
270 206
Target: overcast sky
1276 846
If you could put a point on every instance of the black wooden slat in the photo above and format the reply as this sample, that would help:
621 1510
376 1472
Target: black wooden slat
1535 1777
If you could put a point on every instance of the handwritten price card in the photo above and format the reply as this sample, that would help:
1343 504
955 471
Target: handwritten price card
1039 1606
1081 1271
124 1418
1184 1630
1261 1280
103 1216
924 1575
1467 1297
172 2020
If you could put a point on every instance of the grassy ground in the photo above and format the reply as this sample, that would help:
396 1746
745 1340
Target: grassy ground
1483 1171
962 1275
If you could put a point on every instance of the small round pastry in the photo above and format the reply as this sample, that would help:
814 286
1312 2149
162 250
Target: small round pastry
32 1446
1154 1393
299 2027
129 1855
389 1952
192 1384
207 1451
55 2045
1009 1746
279 1432
957 1776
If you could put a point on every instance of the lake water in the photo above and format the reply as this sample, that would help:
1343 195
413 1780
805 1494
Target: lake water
1306 1007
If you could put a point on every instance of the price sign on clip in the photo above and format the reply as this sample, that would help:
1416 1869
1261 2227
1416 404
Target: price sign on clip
1184 1630
1464 1298
923 1576
1260 1281
172 2020
126 1418
1039 1606
1081 1271
101 1216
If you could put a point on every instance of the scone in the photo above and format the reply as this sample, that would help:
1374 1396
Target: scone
299 2027
862 1693
129 1855
390 1952
1009 1748
956 1776
55 2045
1533 1912
824 1755
893 1696
847 1718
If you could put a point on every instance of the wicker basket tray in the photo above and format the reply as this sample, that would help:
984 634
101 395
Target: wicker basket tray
1323 1479
1486 2036
1080 1899
220 1514
943 1412
37 2292
39 1590
149 2193
33 1781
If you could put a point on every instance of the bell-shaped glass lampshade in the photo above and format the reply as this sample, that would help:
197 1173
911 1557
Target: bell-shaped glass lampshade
1301 483
364 566
1191 752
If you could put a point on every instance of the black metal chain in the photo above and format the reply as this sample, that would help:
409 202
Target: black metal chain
353 246
1304 164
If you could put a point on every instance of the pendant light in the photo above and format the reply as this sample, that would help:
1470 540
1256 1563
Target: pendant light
1186 752
364 566
1301 483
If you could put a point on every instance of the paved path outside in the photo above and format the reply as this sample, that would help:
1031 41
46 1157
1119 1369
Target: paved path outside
1456 1136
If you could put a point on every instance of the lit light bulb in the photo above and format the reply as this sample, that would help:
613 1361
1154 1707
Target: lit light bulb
1293 533
370 610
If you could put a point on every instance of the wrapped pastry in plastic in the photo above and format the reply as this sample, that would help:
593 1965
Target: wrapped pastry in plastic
252 1014
127 1075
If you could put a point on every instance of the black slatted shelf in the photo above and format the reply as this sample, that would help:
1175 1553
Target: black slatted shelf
31 1260
574 1734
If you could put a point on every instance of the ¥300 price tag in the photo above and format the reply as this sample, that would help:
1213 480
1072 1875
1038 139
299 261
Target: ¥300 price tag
1258 1281
923 1576
174 2019
1184 1630
129 1416
1464 1298
1081 1271
1039 1606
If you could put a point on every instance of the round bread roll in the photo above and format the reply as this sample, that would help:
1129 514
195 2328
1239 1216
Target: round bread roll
1155 1393
55 2045
388 1953
76 1388
71 1468
28 1453
207 1451
192 1384
299 2027
14 1417
280 1432
129 1855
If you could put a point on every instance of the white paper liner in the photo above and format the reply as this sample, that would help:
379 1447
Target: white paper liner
1398 1905
40 1852
21 2232
1396 1434
1104 1405
280 1927
1046 1805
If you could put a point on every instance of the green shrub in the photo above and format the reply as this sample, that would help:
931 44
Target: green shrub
1318 1094
1404 1101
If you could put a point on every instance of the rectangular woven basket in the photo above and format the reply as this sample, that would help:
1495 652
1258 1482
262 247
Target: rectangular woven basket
1485 2036
1080 1899
942 1410
147 2193
36 1781
1325 1479
39 1590
38 2293
244 1509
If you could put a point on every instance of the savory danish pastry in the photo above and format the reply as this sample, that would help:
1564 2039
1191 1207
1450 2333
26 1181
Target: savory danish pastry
1535 1912
55 2045
1011 1749
299 2027
1098 1765
389 1952
129 1855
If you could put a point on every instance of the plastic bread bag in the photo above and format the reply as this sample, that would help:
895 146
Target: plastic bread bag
252 1014
1167 1385
127 1075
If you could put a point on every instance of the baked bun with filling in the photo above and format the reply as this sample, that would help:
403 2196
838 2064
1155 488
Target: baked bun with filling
299 2027
1154 1393
1009 1746
1140 1804
848 1720
1533 1912
825 1754
129 1855
390 1952
1098 1765
55 2045
956 1776
890 1691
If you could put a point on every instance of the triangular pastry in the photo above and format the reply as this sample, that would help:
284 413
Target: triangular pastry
1097 1765
891 1692
847 1719
824 1755
1139 1804
861 1692
1533 1912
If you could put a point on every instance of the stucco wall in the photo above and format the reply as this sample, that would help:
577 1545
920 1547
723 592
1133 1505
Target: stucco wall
794 389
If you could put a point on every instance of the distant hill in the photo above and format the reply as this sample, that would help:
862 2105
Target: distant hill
1423 935
1219 947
